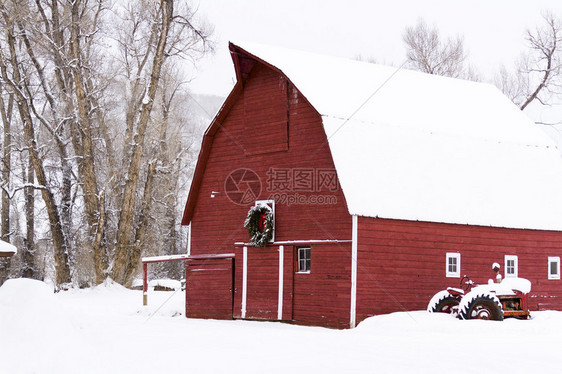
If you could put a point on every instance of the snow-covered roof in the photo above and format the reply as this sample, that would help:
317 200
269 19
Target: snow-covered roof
7 249
414 146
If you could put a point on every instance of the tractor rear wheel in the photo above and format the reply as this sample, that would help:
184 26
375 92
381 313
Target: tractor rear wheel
443 302
484 306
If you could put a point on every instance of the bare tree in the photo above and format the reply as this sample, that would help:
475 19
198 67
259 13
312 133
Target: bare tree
173 149
16 75
28 269
83 89
427 52
84 141
538 72
6 114
173 33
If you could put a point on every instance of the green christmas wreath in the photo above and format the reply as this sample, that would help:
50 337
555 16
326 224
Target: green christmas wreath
262 234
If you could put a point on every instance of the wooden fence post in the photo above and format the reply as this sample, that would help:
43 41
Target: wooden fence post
144 284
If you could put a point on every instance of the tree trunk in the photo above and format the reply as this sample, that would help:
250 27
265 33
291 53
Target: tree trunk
56 131
6 164
140 234
28 255
87 169
123 249
15 81
100 255
170 176
60 244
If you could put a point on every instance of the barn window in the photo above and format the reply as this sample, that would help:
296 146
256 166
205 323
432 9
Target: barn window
511 265
554 268
453 265
303 259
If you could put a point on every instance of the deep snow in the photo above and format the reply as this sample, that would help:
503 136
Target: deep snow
107 330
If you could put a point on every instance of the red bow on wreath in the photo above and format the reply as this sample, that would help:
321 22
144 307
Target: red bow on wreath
259 224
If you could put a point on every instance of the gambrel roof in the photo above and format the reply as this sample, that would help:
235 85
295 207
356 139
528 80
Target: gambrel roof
414 146
428 148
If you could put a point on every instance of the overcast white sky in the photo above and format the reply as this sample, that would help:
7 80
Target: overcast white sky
493 30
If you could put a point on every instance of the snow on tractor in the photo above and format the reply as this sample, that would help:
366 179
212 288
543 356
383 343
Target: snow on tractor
493 301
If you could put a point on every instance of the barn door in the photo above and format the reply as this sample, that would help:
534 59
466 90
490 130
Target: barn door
264 283
208 288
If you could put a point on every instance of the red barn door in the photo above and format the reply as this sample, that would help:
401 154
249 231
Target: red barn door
264 283
208 288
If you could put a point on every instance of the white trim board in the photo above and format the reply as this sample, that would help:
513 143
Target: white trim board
280 294
189 239
297 242
244 280
353 301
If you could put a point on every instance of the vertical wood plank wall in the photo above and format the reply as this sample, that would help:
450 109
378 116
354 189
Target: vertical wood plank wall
217 223
323 296
402 263
208 288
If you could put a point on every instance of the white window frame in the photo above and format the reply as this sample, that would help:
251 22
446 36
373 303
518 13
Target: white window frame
551 260
457 272
299 260
515 260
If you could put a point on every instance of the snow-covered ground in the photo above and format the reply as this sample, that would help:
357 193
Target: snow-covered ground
107 330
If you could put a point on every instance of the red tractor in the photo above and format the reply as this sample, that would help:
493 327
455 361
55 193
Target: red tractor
492 301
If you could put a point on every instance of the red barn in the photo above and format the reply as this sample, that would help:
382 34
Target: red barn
366 189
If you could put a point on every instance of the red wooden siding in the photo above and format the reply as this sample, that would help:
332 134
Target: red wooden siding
265 130
208 288
263 277
288 283
323 296
266 101
238 281
262 298
217 223
402 263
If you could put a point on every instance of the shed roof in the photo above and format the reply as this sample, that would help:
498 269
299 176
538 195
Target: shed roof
414 146
7 249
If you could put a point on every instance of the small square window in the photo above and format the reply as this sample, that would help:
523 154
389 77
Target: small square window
511 266
453 265
554 268
303 260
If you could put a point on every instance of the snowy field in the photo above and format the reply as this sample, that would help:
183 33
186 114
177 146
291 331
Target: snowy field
107 330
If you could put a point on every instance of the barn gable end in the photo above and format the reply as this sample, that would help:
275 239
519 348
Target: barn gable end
266 127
